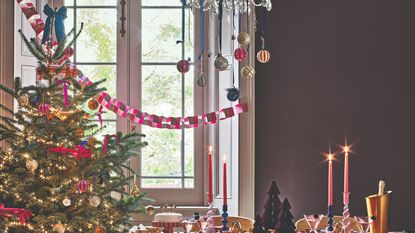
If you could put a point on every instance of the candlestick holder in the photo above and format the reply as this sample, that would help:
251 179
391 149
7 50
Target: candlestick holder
225 227
210 228
346 214
330 221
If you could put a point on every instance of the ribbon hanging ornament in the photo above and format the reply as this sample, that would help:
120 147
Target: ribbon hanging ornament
183 66
247 72
201 80
233 92
263 55
54 23
221 63
65 92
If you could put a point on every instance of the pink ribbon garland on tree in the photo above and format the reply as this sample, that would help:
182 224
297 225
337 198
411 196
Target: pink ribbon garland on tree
80 152
22 214
29 10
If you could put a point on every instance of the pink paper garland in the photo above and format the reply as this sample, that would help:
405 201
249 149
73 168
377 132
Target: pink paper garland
133 114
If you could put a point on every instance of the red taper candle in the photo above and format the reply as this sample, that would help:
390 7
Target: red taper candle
210 172
225 183
330 180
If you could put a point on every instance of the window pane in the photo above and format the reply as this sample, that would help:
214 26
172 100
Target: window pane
109 127
161 3
69 20
189 152
96 2
98 39
189 183
162 156
161 29
161 183
68 2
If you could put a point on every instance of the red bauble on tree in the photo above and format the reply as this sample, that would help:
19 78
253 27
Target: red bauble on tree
44 109
69 52
263 56
240 54
83 186
183 66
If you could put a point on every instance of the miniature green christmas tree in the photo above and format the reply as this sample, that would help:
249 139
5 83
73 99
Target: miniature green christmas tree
272 207
285 219
258 225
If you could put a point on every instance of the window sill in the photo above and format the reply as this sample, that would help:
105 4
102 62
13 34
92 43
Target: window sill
187 211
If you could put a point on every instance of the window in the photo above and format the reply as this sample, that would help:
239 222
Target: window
96 48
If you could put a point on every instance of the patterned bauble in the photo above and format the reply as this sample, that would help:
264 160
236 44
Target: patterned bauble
31 165
100 229
221 63
79 132
23 100
244 38
44 109
135 191
263 56
201 81
94 201
93 104
240 54
150 210
59 228
66 202
233 94
247 72
69 52
183 66
83 186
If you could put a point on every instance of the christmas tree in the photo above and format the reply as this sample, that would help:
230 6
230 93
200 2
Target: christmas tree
53 164
285 219
272 207
258 225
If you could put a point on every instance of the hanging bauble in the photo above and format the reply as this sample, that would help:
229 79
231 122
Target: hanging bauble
263 56
36 100
247 72
100 229
79 132
244 38
183 66
44 109
150 210
240 54
93 104
221 63
201 80
59 228
83 186
66 202
23 100
233 94
92 142
94 201
69 52
31 165
135 191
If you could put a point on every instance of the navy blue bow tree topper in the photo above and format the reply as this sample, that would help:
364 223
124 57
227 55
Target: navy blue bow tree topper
54 19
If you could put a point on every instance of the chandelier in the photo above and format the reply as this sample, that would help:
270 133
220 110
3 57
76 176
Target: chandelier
241 6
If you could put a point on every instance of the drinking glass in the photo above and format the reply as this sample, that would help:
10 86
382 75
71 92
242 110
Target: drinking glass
313 220
364 223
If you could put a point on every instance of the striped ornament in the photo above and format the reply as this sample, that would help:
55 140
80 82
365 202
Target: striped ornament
263 56
83 186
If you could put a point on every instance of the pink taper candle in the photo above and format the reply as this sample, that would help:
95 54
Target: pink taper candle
330 180
346 175
210 191
225 183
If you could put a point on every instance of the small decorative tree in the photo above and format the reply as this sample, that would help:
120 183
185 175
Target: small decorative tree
285 219
272 207
258 225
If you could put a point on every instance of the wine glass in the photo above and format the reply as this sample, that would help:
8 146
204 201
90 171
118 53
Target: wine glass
203 224
364 223
188 225
313 220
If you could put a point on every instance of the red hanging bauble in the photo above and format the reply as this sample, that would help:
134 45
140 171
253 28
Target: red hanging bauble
83 186
263 56
44 109
240 54
69 52
183 66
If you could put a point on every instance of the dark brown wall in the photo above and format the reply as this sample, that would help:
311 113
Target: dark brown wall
338 69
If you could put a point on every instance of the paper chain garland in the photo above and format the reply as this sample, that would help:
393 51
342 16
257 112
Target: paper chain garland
133 114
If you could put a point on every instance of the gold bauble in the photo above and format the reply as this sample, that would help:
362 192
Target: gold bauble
79 133
100 229
92 141
93 104
135 191
150 210
247 72
94 201
59 227
244 38
23 100
31 165
221 63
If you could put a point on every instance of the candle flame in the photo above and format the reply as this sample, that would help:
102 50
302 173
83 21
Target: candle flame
330 156
346 148
210 149
224 158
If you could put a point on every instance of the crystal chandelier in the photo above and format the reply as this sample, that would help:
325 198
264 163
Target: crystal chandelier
229 5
